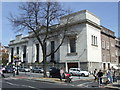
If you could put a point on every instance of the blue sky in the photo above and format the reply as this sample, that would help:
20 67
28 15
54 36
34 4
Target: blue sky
107 11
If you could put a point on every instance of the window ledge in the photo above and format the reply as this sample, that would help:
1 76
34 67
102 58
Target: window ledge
72 54
94 45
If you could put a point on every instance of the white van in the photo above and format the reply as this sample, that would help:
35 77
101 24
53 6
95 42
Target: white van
78 71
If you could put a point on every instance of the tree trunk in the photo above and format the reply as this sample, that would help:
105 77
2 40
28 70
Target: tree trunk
44 63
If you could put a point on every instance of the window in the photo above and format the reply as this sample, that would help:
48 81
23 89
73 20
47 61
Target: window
24 52
116 52
107 45
94 40
103 44
37 52
104 66
17 50
108 65
12 52
119 60
104 58
52 50
72 42
112 44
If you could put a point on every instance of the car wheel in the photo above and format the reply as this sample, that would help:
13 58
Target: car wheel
83 74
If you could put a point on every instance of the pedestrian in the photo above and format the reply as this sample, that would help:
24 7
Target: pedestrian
68 77
61 74
2 74
99 75
109 76
95 74
114 76
14 72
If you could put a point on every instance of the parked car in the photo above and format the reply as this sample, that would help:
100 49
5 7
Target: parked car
24 69
37 70
8 70
78 71
54 72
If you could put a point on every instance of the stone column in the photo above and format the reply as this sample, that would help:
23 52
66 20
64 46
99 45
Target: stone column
22 53
78 64
66 66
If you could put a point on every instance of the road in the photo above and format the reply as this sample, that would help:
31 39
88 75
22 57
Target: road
32 84
36 85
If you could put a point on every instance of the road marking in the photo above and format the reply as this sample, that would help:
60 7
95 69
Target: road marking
12 84
84 83
20 85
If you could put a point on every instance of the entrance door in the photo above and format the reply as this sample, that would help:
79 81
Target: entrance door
72 65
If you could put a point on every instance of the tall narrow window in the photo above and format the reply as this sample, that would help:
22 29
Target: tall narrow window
92 39
72 45
108 65
17 50
107 45
24 52
104 66
119 60
37 52
96 40
12 52
52 50
103 44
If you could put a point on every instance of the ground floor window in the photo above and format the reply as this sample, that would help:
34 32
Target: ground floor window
104 66
108 65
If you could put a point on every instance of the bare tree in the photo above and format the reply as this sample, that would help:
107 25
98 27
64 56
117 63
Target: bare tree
40 18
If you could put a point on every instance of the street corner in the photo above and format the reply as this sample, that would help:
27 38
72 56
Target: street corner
113 86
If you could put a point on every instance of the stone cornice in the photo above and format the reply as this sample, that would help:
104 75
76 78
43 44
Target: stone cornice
108 35
20 42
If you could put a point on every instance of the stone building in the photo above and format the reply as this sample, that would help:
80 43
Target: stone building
81 47
117 52
108 48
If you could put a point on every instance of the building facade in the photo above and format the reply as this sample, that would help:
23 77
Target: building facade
82 46
117 51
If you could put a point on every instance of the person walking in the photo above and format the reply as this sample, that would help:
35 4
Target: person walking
61 74
114 76
109 76
100 74
95 74
14 72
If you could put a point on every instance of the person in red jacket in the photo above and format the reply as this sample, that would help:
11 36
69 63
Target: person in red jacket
68 77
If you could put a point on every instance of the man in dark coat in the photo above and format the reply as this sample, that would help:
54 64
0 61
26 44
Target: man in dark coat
100 74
